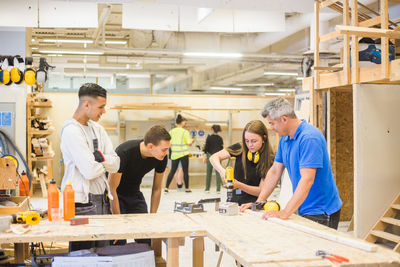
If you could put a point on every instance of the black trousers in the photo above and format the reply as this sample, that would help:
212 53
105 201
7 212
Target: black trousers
185 168
134 203
331 221
97 205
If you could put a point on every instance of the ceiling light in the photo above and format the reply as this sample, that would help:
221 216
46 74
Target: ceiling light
115 42
72 52
287 90
300 78
274 94
226 88
255 84
34 48
76 41
217 55
280 73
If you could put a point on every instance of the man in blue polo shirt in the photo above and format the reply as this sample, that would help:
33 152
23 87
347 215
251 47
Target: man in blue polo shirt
302 151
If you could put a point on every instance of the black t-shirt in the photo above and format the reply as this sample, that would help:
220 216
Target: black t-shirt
133 167
252 176
214 143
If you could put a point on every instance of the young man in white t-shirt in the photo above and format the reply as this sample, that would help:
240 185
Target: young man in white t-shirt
88 154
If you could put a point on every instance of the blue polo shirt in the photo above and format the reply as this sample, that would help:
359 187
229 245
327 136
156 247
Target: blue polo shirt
307 149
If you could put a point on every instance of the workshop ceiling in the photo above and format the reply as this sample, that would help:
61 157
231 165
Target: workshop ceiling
175 43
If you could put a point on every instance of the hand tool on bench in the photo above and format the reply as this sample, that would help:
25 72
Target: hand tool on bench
331 257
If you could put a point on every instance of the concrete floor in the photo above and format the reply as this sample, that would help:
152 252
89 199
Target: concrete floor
167 205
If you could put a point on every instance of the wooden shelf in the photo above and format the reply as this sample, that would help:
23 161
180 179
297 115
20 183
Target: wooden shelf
31 113
41 105
41 132
41 158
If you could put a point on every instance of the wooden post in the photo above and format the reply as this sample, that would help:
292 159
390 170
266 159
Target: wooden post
354 44
198 252
156 246
316 46
346 46
173 252
384 40
20 252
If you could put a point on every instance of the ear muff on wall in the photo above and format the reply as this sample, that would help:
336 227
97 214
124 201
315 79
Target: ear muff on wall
30 76
17 76
5 77
253 157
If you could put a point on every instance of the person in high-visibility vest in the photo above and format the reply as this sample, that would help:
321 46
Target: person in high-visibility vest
180 140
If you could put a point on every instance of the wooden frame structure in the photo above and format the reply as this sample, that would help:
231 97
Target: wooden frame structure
346 100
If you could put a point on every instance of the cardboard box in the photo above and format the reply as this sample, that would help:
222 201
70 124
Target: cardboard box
23 205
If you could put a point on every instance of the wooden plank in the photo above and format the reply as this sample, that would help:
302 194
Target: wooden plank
316 40
385 40
346 44
390 221
307 83
355 73
256 242
396 206
329 36
173 252
329 235
20 252
367 32
370 22
387 236
43 185
156 246
102 227
8 174
198 252
327 3
327 68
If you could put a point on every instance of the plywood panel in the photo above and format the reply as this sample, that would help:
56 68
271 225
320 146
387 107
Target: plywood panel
376 150
341 148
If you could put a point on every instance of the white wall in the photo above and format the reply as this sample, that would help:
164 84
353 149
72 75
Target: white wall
376 152
64 105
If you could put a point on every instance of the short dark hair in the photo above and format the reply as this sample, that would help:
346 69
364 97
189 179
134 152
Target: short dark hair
156 134
92 90
180 119
216 128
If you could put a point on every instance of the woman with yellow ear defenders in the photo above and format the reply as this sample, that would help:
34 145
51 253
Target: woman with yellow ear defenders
254 157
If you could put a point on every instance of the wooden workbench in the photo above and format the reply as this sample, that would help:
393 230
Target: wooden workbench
170 226
256 242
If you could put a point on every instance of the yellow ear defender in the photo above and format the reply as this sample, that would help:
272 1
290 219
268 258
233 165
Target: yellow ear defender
253 157
17 76
30 76
5 77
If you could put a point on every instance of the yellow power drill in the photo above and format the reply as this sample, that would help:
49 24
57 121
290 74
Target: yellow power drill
229 183
30 217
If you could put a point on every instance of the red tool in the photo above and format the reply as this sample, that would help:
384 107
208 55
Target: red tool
331 257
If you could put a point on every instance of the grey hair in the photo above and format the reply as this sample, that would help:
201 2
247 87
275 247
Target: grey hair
278 107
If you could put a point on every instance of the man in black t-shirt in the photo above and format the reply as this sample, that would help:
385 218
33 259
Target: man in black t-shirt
138 157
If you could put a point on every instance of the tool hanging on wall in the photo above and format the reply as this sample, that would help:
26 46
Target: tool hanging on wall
41 73
29 73
17 76
5 76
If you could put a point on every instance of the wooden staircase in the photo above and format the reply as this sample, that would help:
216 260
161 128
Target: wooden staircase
380 230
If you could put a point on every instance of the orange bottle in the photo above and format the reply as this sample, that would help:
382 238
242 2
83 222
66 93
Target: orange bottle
52 198
69 201
23 185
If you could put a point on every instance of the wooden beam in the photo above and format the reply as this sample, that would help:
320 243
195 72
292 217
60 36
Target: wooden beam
376 13
346 43
327 68
327 3
385 40
329 36
370 22
355 73
316 40
367 32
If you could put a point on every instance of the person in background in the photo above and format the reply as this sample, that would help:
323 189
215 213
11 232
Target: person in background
253 160
303 152
180 140
214 143
138 157
88 154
